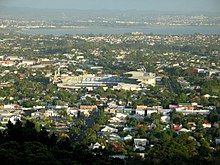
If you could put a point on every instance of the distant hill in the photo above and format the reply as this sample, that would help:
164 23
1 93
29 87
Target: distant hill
27 13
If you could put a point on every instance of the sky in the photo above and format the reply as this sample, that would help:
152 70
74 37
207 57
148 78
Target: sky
152 5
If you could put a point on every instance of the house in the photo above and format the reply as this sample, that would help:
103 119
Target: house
127 129
117 146
115 119
165 112
128 137
141 107
11 106
177 127
112 103
115 109
37 115
137 117
120 109
121 116
142 112
207 125
192 125
165 119
50 113
184 130
96 146
86 109
207 96
110 110
150 111
13 58
140 144
109 129
5 116
7 63
28 62
129 111
72 111
84 112
115 137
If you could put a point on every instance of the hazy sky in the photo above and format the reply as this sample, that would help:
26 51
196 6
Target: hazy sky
158 5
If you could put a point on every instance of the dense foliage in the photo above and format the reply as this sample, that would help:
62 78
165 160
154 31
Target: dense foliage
21 143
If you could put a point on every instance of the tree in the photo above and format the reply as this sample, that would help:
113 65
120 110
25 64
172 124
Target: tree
89 136
167 152
155 117
213 117
177 118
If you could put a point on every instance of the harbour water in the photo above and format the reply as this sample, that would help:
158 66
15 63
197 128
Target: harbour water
117 30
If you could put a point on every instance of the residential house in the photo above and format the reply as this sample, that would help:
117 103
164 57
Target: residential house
115 137
37 115
207 125
6 115
140 144
165 112
121 116
50 113
128 137
150 111
129 111
115 109
8 63
86 109
115 119
28 62
72 111
165 119
109 129
96 146
192 125
11 106
177 127
137 117
128 129
141 110
184 130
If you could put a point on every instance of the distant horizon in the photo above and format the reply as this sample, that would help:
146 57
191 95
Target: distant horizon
153 11
121 5
138 10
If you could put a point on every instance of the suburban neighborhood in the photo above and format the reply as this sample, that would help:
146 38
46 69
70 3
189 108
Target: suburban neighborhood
126 94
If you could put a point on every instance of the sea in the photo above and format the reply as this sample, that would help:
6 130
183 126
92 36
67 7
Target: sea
106 30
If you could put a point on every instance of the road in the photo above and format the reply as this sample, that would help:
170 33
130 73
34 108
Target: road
89 123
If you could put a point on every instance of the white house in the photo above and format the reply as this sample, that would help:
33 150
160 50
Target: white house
128 137
72 111
140 144
141 112
165 119
207 125
96 146
109 129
